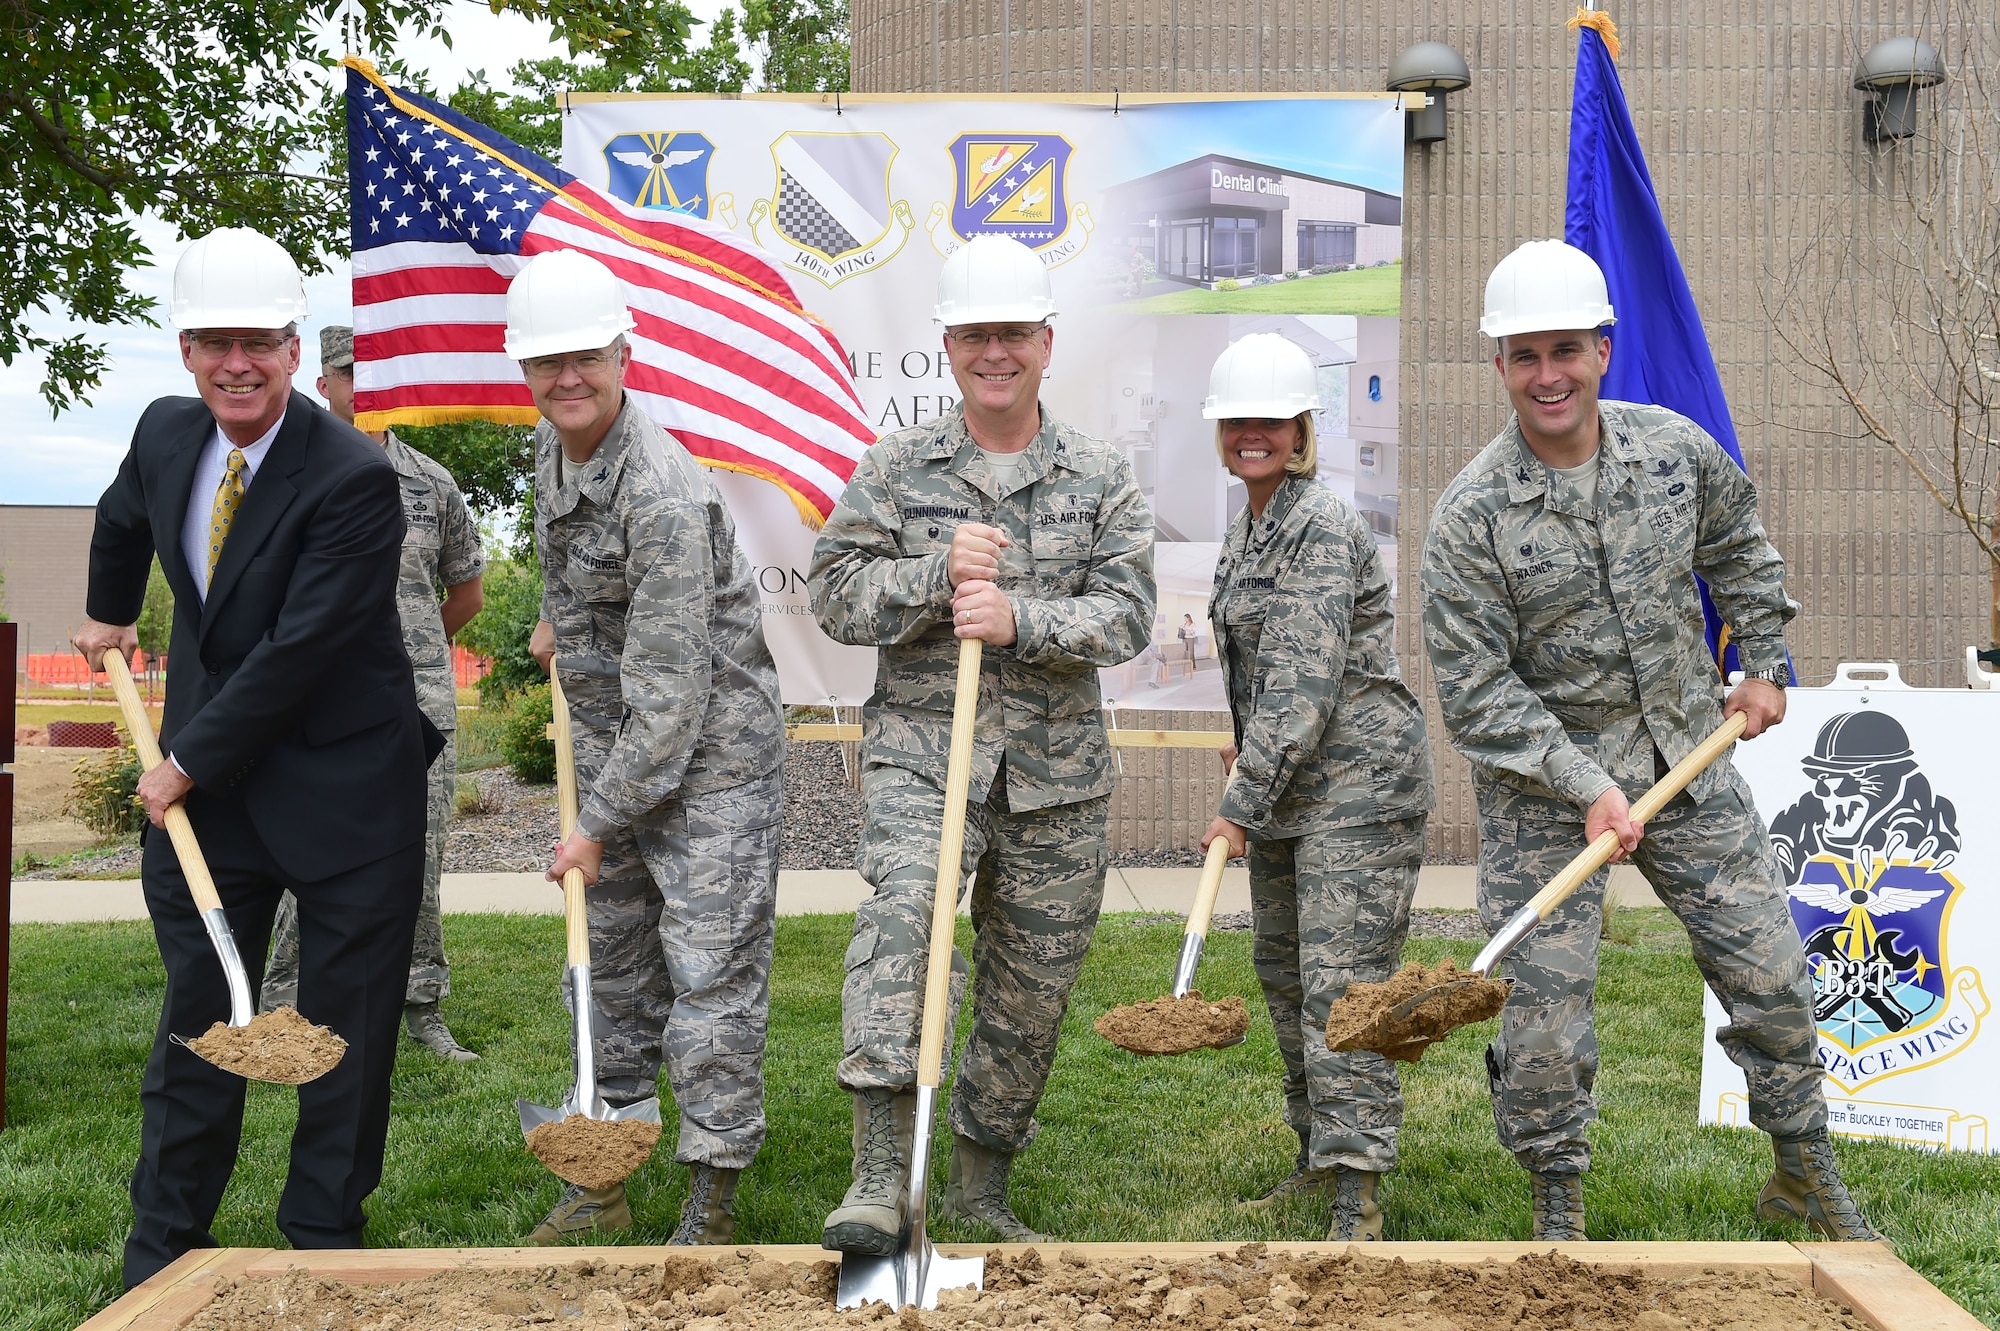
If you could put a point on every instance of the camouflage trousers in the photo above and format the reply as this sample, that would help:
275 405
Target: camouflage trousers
1038 883
682 920
1331 908
1710 862
430 973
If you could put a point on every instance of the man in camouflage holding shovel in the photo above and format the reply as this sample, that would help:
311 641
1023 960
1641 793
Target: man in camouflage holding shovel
1564 625
440 549
1000 523
655 629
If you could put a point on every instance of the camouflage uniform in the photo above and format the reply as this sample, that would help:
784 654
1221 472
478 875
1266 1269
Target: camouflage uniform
679 738
1079 575
1567 642
440 548
1333 782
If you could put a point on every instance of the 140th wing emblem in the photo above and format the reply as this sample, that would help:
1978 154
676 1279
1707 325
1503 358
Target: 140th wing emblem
831 209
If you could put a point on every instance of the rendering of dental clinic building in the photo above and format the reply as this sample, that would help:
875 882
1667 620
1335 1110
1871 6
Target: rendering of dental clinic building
1771 186
1221 217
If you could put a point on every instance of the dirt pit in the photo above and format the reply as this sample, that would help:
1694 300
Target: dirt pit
278 1046
1249 1290
1362 1019
1175 1025
595 1153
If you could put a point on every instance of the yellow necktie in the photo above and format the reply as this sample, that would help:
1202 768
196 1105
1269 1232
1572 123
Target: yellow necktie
228 498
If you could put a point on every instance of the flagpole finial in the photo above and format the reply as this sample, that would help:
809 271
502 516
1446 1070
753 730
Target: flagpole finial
1596 19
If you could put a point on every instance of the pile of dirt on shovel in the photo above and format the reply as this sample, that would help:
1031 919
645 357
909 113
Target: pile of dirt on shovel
1362 1019
278 1046
595 1153
1248 1290
1175 1025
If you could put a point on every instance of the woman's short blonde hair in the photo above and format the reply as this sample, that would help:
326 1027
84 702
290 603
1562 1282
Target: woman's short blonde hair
1304 462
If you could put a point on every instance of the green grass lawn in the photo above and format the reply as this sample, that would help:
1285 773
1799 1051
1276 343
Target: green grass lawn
1364 291
1130 1149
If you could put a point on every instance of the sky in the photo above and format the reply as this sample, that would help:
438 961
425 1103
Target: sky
71 458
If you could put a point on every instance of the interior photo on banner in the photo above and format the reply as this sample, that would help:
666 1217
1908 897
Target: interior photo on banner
1169 228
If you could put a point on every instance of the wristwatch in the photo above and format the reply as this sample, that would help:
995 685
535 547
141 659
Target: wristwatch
1778 675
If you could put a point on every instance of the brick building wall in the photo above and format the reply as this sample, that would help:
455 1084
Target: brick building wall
1753 134
45 553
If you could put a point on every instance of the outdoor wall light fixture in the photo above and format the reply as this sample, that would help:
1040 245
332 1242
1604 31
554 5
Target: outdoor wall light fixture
1894 70
1434 69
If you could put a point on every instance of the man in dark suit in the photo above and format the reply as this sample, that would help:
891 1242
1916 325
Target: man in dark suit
292 733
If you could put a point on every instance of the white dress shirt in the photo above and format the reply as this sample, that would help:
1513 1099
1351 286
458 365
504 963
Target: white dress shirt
209 469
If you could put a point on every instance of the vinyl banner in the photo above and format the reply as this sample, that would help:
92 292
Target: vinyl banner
1169 230
1875 797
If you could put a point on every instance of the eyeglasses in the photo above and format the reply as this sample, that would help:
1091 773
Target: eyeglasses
586 362
1013 339
260 346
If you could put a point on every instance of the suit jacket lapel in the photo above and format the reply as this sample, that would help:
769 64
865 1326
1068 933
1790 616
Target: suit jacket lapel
269 495
176 483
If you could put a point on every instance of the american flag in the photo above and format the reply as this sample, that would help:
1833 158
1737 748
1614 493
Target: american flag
446 212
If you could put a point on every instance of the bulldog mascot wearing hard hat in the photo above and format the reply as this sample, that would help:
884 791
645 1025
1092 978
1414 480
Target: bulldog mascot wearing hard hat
1564 625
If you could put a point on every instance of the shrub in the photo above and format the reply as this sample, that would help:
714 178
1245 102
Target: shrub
501 629
469 801
1321 269
525 742
104 796
1227 284
1291 273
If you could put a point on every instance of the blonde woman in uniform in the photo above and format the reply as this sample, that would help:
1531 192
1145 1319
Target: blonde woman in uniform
1331 768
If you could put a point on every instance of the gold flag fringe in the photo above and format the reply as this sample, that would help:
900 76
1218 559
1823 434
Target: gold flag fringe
1601 21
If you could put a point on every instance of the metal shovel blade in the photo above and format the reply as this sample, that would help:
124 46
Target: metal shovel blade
916 1275
534 1115
583 1097
1185 967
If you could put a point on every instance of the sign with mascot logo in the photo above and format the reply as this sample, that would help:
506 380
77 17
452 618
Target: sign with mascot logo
1894 897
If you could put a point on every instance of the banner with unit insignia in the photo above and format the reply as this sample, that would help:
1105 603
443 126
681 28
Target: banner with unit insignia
1892 894
1168 230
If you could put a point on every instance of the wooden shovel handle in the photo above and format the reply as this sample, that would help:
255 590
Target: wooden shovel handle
1210 885
193 867
951 851
1673 783
576 923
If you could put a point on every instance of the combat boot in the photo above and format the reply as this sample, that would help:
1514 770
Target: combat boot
1304 1181
1356 1217
871 1217
1806 1186
1558 1203
583 1210
427 1028
977 1190
708 1216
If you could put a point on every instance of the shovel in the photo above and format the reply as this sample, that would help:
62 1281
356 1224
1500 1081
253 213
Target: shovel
1405 1030
583 1098
1138 1028
916 1272
302 1051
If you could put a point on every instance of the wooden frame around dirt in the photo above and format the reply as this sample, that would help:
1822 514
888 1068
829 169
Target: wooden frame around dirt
1867 1277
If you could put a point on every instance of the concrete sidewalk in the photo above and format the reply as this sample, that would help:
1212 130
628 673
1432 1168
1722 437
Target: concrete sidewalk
800 892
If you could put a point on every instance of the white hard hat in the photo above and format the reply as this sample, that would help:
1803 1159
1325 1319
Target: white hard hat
564 301
1545 286
234 277
994 279
1264 375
